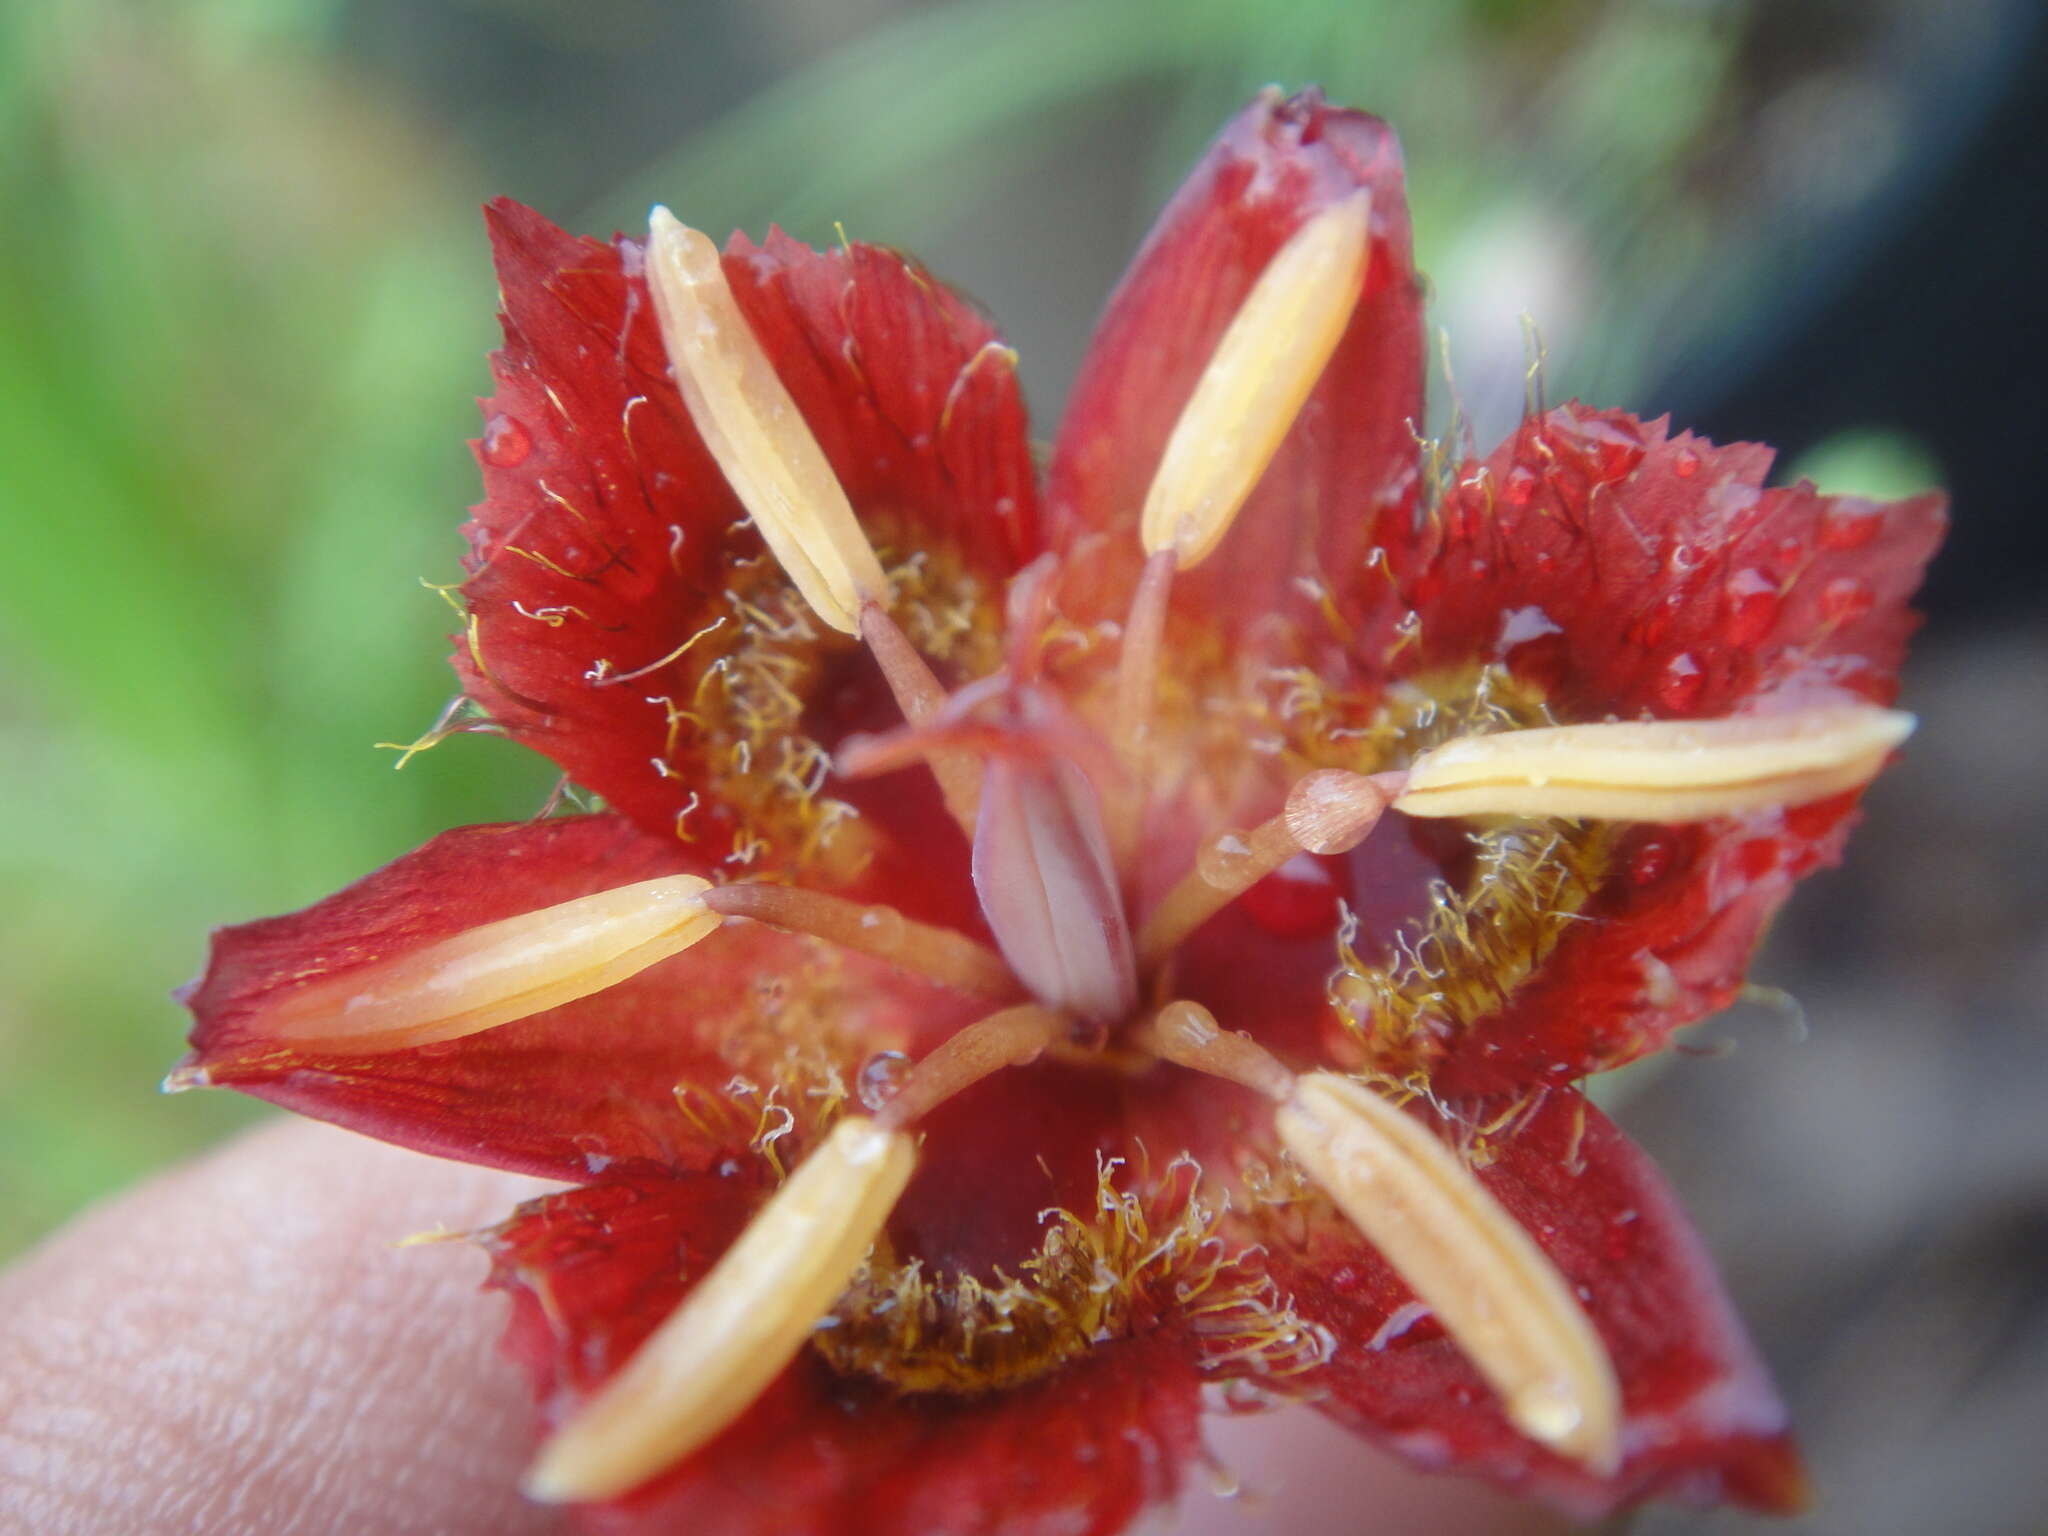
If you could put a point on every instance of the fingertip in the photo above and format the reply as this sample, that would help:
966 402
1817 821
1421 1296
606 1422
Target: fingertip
242 1345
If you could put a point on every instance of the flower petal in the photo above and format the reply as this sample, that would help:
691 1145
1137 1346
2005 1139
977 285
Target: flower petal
1701 1422
570 1090
591 1272
1351 454
1620 572
614 582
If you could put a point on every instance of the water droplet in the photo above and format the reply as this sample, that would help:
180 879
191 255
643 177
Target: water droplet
882 925
1845 599
1679 688
1520 486
1752 599
1757 857
1614 449
1849 527
1223 859
1680 556
506 442
1651 860
880 1076
1297 901
1685 464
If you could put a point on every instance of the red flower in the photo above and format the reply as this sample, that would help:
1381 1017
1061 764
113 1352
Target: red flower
1150 646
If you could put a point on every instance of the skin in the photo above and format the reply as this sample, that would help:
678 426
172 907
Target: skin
238 1346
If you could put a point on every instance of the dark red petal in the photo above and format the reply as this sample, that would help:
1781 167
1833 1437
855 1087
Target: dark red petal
1626 573
568 1091
608 538
592 1271
1702 1423
1351 454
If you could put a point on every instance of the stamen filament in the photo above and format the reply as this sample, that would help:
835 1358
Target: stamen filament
1137 683
752 427
1257 381
937 954
1334 816
1496 1293
921 696
705 1365
1007 1039
497 972
1188 1035
1663 770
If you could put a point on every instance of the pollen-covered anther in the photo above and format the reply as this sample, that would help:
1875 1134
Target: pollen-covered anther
745 415
496 973
705 1365
1257 381
1496 1293
1663 770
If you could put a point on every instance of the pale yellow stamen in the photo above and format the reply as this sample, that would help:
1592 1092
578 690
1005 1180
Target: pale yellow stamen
705 1365
747 419
498 972
1257 381
1666 770
1496 1293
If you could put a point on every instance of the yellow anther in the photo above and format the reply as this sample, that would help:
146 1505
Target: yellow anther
498 972
1496 1293
718 1351
1664 770
747 419
1257 382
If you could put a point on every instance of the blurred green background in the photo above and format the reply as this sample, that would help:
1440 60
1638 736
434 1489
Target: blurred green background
245 301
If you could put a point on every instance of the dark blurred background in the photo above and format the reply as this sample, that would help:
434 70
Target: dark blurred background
244 302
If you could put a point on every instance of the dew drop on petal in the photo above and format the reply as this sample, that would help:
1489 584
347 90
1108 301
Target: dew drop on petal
1752 599
1849 527
1520 486
1757 857
880 1076
1678 690
506 442
1222 860
1298 900
1650 861
1845 599
1685 464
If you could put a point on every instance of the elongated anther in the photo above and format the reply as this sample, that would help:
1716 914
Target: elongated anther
498 972
1496 1293
744 1322
1257 381
745 415
1663 770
